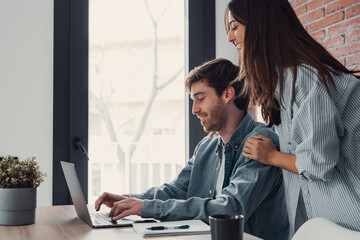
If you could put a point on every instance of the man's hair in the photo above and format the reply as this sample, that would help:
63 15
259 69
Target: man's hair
219 74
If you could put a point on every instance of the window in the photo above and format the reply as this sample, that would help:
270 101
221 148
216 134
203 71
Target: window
72 112
136 90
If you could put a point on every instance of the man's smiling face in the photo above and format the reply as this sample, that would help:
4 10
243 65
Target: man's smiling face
208 106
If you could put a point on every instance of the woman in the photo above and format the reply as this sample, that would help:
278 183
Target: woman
313 100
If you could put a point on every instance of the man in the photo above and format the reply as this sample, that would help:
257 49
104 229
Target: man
218 179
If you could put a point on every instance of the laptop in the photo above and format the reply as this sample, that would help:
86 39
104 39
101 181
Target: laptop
89 215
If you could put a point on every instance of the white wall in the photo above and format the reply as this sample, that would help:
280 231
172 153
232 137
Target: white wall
224 49
26 84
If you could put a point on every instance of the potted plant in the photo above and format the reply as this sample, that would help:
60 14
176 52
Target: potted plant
18 184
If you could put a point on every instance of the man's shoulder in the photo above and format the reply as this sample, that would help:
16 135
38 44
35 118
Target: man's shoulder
262 129
206 147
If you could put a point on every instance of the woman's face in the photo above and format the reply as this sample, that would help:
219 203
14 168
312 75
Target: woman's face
236 33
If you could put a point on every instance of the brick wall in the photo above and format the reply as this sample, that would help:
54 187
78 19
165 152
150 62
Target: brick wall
335 24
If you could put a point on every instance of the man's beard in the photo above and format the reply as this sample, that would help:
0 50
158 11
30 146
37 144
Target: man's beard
215 118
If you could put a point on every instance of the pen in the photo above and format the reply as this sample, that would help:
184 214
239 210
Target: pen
166 228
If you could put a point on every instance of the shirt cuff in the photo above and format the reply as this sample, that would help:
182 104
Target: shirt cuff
305 175
151 209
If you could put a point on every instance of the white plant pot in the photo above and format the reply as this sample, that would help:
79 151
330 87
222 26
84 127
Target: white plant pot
17 206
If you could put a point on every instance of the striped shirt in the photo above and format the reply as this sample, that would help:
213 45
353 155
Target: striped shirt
323 132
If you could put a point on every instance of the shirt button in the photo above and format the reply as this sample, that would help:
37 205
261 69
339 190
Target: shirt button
289 143
210 192
217 169
306 191
236 146
227 161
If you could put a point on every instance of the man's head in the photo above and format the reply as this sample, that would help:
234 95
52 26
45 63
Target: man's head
214 86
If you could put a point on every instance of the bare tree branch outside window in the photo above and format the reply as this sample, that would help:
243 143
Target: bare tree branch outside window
100 100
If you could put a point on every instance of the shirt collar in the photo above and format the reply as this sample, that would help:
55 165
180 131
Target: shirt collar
239 134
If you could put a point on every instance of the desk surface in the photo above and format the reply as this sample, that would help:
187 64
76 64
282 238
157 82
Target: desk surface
61 222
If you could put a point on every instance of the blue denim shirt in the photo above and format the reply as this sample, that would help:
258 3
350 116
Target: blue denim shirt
250 188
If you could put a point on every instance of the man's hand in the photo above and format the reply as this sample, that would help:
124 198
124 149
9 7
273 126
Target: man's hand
126 207
260 148
108 199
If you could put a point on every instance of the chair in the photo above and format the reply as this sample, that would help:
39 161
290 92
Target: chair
321 228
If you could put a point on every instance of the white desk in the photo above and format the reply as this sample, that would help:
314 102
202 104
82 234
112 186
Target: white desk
61 222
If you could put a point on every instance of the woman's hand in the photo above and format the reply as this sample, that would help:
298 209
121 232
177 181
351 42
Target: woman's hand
260 148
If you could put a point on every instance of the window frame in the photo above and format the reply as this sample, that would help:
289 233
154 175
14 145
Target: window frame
71 23
70 93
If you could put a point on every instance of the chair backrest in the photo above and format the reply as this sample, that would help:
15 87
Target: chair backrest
321 228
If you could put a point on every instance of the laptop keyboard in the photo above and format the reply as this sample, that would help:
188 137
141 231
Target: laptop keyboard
101 218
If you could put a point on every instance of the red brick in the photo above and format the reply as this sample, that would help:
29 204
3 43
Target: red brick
333 42
353 36
311 16
296 3
346 50
318 36
317 3
353 60
300 10
353 11
326 21
344 26
339 5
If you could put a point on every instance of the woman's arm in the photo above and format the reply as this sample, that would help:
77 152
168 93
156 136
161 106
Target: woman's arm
262 149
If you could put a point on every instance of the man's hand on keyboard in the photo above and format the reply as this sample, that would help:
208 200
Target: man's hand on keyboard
108 199
126 207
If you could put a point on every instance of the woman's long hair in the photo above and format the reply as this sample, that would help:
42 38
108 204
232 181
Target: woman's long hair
274 40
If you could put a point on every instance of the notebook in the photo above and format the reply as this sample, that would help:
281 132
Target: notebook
171 228
89 215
